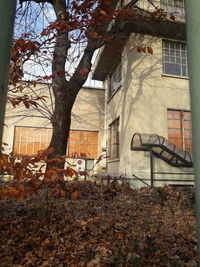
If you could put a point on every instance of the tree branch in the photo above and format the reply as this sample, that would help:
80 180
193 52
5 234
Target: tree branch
61 49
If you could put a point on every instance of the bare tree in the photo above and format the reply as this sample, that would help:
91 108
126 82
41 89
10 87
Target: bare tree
89 24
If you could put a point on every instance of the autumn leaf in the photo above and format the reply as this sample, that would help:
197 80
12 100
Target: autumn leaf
75 195
3 158
69 172
47 242
46 180
21 187
143 49
103 13
101 232
150 50
172 17
21 196
57 186
34 184
62 193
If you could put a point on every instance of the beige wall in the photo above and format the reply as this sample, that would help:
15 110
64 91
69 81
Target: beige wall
142 103
88 113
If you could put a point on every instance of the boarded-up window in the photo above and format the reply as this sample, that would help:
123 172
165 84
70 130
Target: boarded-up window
83 143
114 139
29 140
180 129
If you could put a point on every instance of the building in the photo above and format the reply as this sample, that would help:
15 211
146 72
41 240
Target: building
143 117
29 130
147 116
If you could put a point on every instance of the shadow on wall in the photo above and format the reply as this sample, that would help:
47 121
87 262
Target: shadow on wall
139 73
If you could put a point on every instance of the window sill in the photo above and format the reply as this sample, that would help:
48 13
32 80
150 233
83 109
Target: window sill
174 76
113 94
113 160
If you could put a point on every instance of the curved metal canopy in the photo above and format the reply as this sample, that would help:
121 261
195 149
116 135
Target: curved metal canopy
162 149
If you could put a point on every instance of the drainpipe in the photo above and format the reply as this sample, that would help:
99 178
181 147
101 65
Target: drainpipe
151 168
193 44
7 15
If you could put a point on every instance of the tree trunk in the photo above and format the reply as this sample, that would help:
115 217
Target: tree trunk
65 92
61 121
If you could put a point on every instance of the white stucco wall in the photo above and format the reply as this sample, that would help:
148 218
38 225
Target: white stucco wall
88 114
141 103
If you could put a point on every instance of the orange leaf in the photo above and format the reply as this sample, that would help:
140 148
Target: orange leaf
4 158
62 193
70 172
21 196
75 195
11 191
143 49
47 242
21 187
46 180
139 48
34 184
103 13
172 17
57 186
150 50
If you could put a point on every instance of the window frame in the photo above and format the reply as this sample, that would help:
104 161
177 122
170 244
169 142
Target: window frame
114 133
174 55
27 141
83 154
183 122
115 81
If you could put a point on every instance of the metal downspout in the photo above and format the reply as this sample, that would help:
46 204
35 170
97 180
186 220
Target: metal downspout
7 16
151 168
193 44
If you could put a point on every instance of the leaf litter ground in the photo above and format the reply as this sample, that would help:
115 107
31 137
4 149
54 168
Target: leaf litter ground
109 225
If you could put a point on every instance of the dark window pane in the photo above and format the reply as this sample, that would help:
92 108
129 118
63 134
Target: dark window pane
166 58
173 69
174 58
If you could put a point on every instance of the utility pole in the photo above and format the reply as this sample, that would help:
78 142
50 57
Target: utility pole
193 44
7 16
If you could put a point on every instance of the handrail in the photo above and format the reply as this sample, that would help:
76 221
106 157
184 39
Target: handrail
140 179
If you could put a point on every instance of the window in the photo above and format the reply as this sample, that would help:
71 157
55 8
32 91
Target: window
180 129
175 58
115 80
83 143
29 140
114 139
